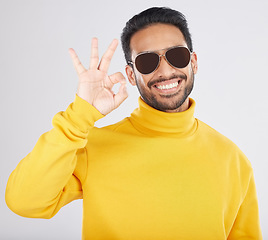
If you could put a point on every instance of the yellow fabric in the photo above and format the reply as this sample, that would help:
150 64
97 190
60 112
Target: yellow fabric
154 175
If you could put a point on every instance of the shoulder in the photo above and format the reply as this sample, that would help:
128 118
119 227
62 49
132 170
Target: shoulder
213 136
122 127
223 145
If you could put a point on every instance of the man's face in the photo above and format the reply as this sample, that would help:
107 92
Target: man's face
155 88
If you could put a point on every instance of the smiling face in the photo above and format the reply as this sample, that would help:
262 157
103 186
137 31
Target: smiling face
167 88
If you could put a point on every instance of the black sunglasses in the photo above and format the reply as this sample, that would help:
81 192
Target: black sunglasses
148 62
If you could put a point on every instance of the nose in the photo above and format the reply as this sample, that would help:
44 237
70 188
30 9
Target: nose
164 68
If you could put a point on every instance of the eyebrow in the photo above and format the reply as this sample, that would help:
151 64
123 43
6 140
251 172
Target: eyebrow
162 49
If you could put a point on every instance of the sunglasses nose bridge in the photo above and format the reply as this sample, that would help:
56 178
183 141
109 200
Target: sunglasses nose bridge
160 56
164 56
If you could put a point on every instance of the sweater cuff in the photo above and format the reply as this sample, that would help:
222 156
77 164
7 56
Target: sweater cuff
82 114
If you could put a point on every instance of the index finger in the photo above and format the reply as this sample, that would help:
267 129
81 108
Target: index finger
76 62
107 56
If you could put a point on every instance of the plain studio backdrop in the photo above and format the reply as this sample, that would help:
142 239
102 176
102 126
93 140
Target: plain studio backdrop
38 80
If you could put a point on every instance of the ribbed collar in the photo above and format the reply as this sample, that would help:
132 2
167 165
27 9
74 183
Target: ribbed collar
149 120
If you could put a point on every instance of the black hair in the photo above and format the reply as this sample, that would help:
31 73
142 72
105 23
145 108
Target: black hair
152 16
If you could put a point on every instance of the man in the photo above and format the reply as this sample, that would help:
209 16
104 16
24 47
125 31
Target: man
158 174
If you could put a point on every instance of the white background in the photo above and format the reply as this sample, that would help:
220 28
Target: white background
38 80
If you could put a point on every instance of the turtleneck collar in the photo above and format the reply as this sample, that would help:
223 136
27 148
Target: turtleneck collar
149 120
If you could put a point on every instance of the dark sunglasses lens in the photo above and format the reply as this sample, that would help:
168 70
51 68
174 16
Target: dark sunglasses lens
179 57
147 62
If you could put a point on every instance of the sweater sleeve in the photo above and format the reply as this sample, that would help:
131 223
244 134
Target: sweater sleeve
247 225
52 174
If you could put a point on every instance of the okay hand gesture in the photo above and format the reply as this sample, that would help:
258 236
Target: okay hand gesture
95 86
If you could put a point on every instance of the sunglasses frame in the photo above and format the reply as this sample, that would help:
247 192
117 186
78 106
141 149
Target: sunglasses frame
159 58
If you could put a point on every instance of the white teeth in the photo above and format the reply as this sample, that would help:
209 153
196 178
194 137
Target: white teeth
172 85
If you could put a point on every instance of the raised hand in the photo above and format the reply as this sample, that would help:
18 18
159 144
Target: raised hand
95 86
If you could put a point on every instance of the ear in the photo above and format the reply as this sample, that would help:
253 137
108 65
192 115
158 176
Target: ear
194 62
130 75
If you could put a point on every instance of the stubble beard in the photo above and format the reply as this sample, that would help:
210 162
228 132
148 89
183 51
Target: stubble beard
171 101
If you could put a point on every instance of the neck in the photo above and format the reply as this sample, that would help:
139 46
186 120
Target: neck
151 121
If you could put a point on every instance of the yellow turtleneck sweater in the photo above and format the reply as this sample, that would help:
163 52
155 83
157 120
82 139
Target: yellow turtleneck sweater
154 175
